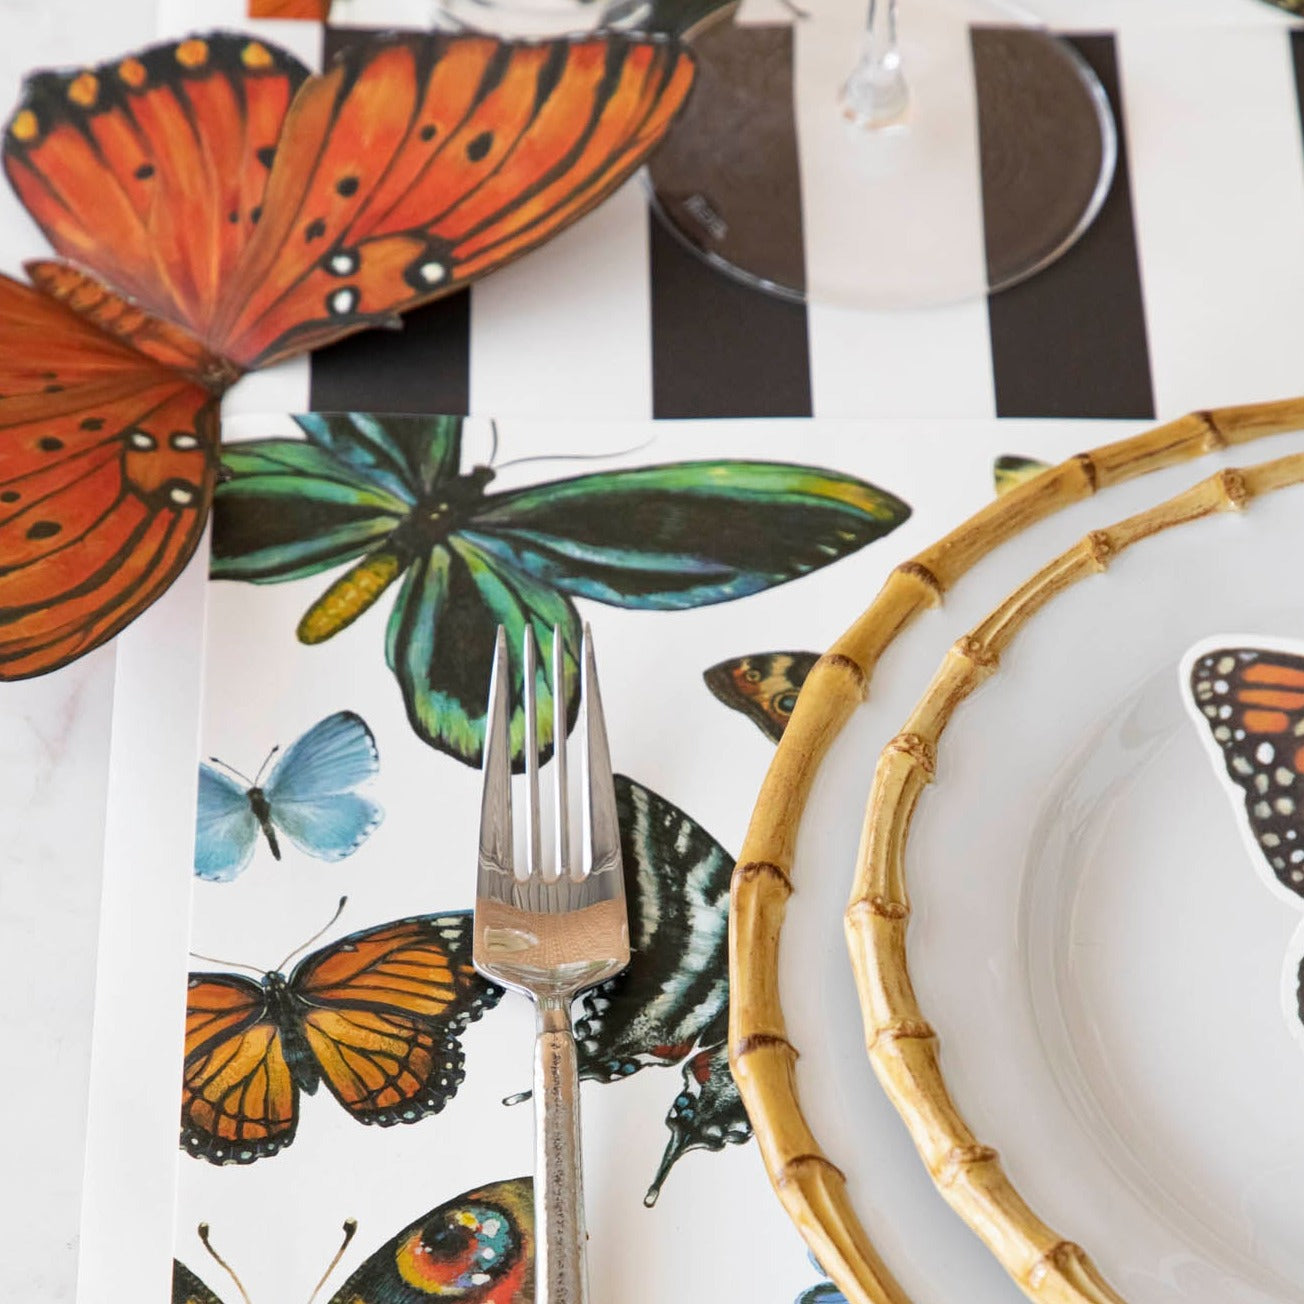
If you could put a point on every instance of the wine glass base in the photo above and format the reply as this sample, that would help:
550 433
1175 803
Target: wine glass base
999 162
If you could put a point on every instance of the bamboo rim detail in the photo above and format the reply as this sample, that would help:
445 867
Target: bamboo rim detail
809 1184
967 1173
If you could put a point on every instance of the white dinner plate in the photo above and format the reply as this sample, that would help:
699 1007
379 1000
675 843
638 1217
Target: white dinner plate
1110 974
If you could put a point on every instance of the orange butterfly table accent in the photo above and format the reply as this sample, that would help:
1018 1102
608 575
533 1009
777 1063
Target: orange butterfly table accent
217 209
317 10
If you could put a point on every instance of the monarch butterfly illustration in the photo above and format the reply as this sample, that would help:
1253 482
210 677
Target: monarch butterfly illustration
477 1248
216 209
376 1015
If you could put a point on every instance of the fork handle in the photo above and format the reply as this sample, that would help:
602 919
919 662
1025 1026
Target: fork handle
559 1275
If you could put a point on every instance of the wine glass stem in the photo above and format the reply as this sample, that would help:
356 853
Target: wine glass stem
875 95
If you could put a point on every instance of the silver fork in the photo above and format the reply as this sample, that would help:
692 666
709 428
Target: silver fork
551 934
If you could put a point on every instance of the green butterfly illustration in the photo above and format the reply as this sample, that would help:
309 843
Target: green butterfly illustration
388 495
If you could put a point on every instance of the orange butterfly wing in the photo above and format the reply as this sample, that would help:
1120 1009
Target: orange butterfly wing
239 1101
107 462
420 162
318 10
382 1011
149 171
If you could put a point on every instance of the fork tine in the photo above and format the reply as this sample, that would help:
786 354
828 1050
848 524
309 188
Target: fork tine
496 799
601 828
530 744
560 779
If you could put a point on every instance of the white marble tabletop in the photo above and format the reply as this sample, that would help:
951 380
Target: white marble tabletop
54 741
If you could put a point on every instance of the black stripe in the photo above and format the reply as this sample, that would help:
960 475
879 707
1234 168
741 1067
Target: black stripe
1071 340
720 348
425 367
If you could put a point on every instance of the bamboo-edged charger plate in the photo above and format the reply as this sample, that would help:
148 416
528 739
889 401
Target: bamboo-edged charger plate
1085 1006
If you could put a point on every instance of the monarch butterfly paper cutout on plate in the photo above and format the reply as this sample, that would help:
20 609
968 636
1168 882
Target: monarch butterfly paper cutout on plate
477 1248
388 494
1251 702
671 1006
377 1016
763 686
308 795
217 209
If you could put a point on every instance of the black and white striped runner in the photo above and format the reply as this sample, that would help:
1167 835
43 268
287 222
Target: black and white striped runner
1187 291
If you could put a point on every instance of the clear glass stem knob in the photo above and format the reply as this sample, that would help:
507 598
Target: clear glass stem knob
875 96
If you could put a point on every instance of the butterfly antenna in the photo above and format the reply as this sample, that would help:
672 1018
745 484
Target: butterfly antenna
226 964
258 778
350 1227
230 769
222 1263
325 928
580 457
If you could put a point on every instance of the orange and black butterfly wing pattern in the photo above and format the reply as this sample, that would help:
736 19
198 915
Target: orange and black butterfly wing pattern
107 465
763 686
148 171
239 1100
382 1010
477 1248
1252 700
419 162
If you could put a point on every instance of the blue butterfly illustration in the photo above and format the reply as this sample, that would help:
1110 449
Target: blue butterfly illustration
388 497
308 796
823 1292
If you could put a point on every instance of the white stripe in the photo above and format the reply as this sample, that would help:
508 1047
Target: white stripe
1218 190
567 332
919 219
892 218
934 362
283 388
1128 15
